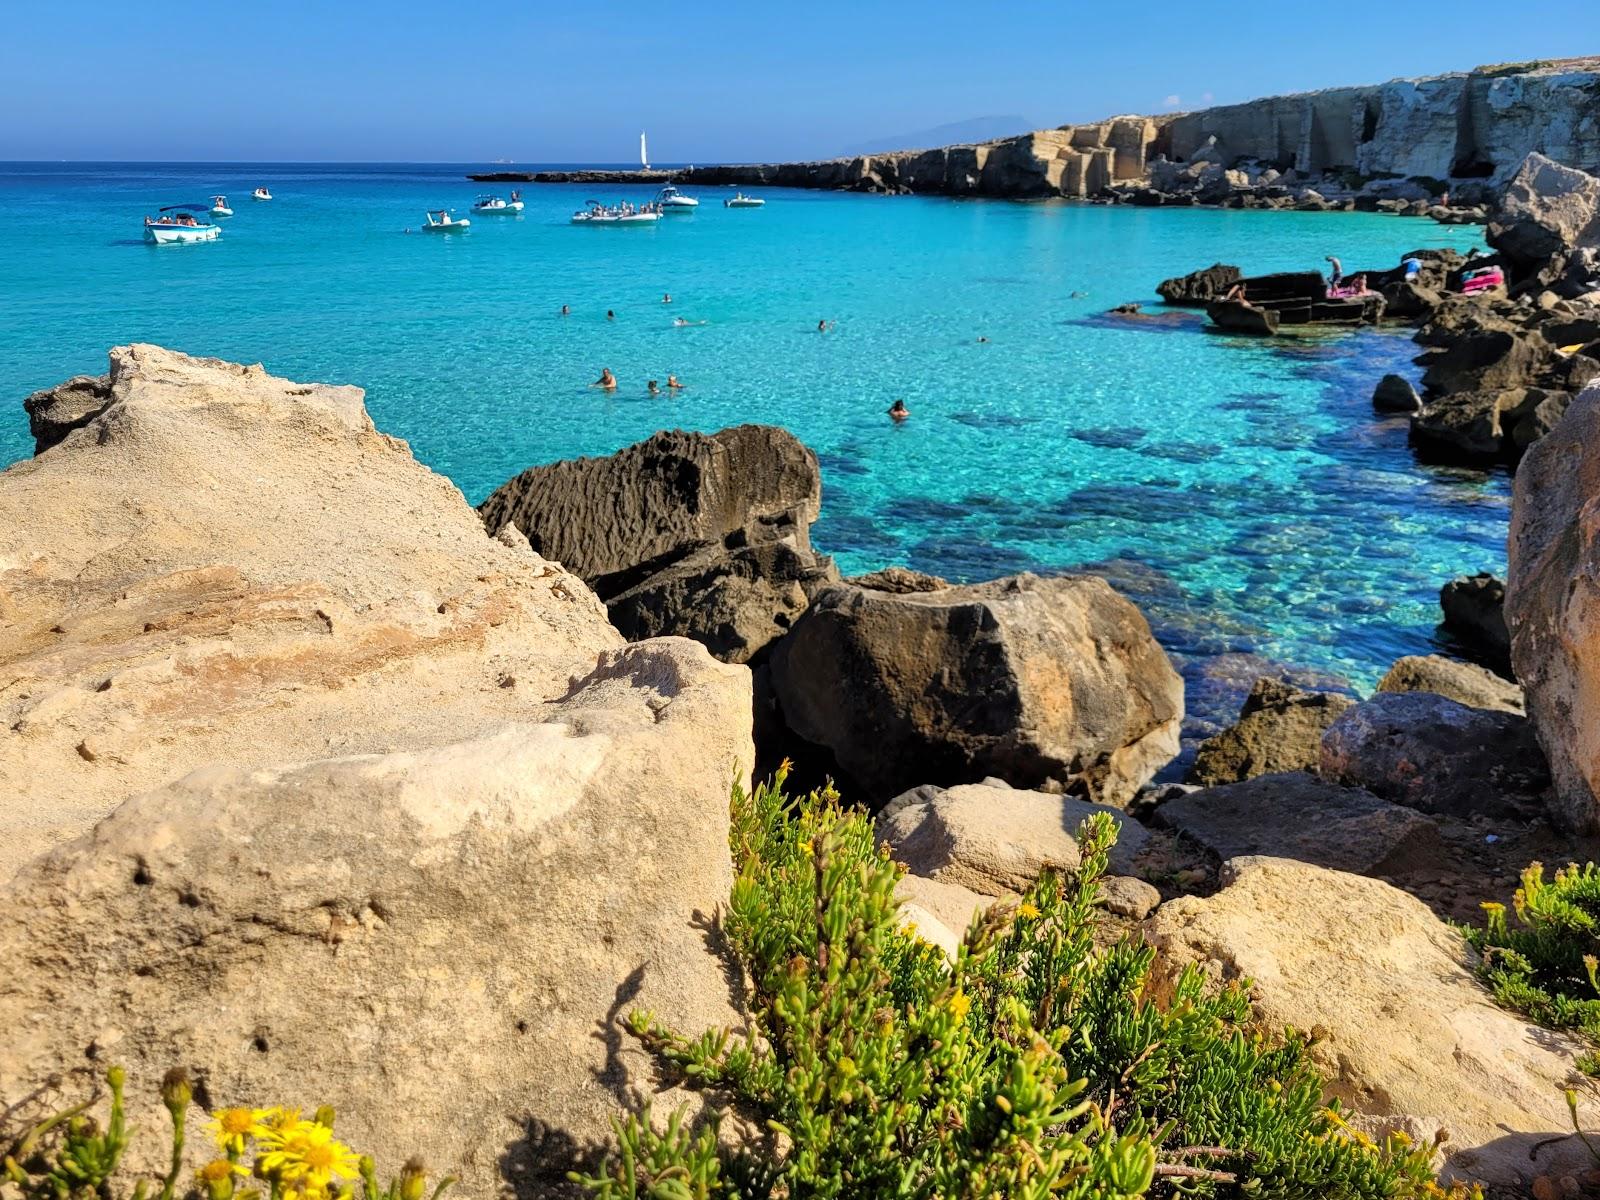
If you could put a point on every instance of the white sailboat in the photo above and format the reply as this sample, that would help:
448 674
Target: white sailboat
644 158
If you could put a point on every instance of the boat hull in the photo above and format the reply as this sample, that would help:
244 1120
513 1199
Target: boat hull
177 235
743 203
504 210
222 212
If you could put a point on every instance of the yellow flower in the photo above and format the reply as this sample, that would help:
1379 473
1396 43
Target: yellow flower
232 1127
216 1178
1025 909
960 1005
307 1156
273 1123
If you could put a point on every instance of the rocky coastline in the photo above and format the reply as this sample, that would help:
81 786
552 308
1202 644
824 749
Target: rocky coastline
307 761
1400 146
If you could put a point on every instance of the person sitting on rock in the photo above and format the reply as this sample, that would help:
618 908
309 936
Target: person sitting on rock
607 380
1235 295
898 411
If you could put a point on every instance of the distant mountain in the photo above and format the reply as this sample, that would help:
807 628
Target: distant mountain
957 133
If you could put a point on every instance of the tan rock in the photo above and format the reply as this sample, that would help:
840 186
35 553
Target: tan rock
1406 1028
1465 683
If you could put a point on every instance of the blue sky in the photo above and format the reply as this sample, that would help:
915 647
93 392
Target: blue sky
575 80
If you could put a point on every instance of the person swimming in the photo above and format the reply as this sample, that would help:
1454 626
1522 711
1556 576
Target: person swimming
824 325
982 339
666 298
610 316
565 311
898 411
672 382
607 380
655 388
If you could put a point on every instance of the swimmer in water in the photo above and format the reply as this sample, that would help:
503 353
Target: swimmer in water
898 411
655 388
982 339
824 325
565 311
610 316
666 298
672 382
607 380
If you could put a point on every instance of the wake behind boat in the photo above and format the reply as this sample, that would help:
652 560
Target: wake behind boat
617 214
494 206
177 225
440 221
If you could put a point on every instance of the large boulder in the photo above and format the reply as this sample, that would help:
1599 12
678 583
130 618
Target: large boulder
1489 361
687 534
1438 756
1279 728
1465 683
1552 604
1296 815
345 808
995 839
1199 288
55 412
1023 678
1403 1028
1396 394
1548 210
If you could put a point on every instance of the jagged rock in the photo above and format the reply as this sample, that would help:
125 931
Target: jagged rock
1489 361
1403 1027
383 794
683 534
1438 756
1279 728
899 580
1199 288
55 412
1552 604
1461 427
1548 210
1396 394
1462 682
1025 678
1474 613
994 840
1295 815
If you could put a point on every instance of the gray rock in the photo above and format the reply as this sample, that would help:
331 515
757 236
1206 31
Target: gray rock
1024 678
1279 728
1296 815
1395 393
1474 613
1462 682
1438 756
1199 288
55 412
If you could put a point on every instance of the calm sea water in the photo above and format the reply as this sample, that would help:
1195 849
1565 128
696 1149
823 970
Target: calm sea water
1241 491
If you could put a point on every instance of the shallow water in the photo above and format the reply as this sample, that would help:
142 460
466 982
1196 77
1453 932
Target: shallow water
1242 492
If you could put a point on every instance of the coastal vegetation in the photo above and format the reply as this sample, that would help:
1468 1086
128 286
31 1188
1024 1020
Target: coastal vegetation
1035 1064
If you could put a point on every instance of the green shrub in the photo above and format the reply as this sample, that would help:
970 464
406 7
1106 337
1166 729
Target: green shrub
1035 1065
1545 965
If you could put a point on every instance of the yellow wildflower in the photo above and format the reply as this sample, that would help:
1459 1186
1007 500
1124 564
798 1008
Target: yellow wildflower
1026 909
807 848
306 1155
273 1123
216 1178
960 1005
232 1127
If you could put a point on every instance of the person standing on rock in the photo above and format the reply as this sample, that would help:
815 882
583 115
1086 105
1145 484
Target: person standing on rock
1338 272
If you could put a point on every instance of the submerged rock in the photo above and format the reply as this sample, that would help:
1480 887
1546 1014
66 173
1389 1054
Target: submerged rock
1025 678
1474 613
1404 1029
685 534
397 822
1552 604
1279 728
1438 756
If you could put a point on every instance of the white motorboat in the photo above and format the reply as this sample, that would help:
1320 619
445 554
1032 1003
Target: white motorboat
442 222
177 225
494 206
261 193
672 200
219 207
618 214
740 200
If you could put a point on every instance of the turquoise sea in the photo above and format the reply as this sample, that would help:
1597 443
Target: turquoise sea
1242 492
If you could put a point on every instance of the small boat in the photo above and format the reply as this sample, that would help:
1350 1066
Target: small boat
493 206
617 214
261 193
442 222
740 200
672 200
177 225
219 207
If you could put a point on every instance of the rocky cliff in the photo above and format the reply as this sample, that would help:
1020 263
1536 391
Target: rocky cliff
1468 125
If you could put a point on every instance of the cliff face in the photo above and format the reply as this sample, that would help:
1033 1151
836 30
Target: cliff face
1477 124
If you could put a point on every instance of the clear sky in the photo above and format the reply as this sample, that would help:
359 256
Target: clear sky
575 80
